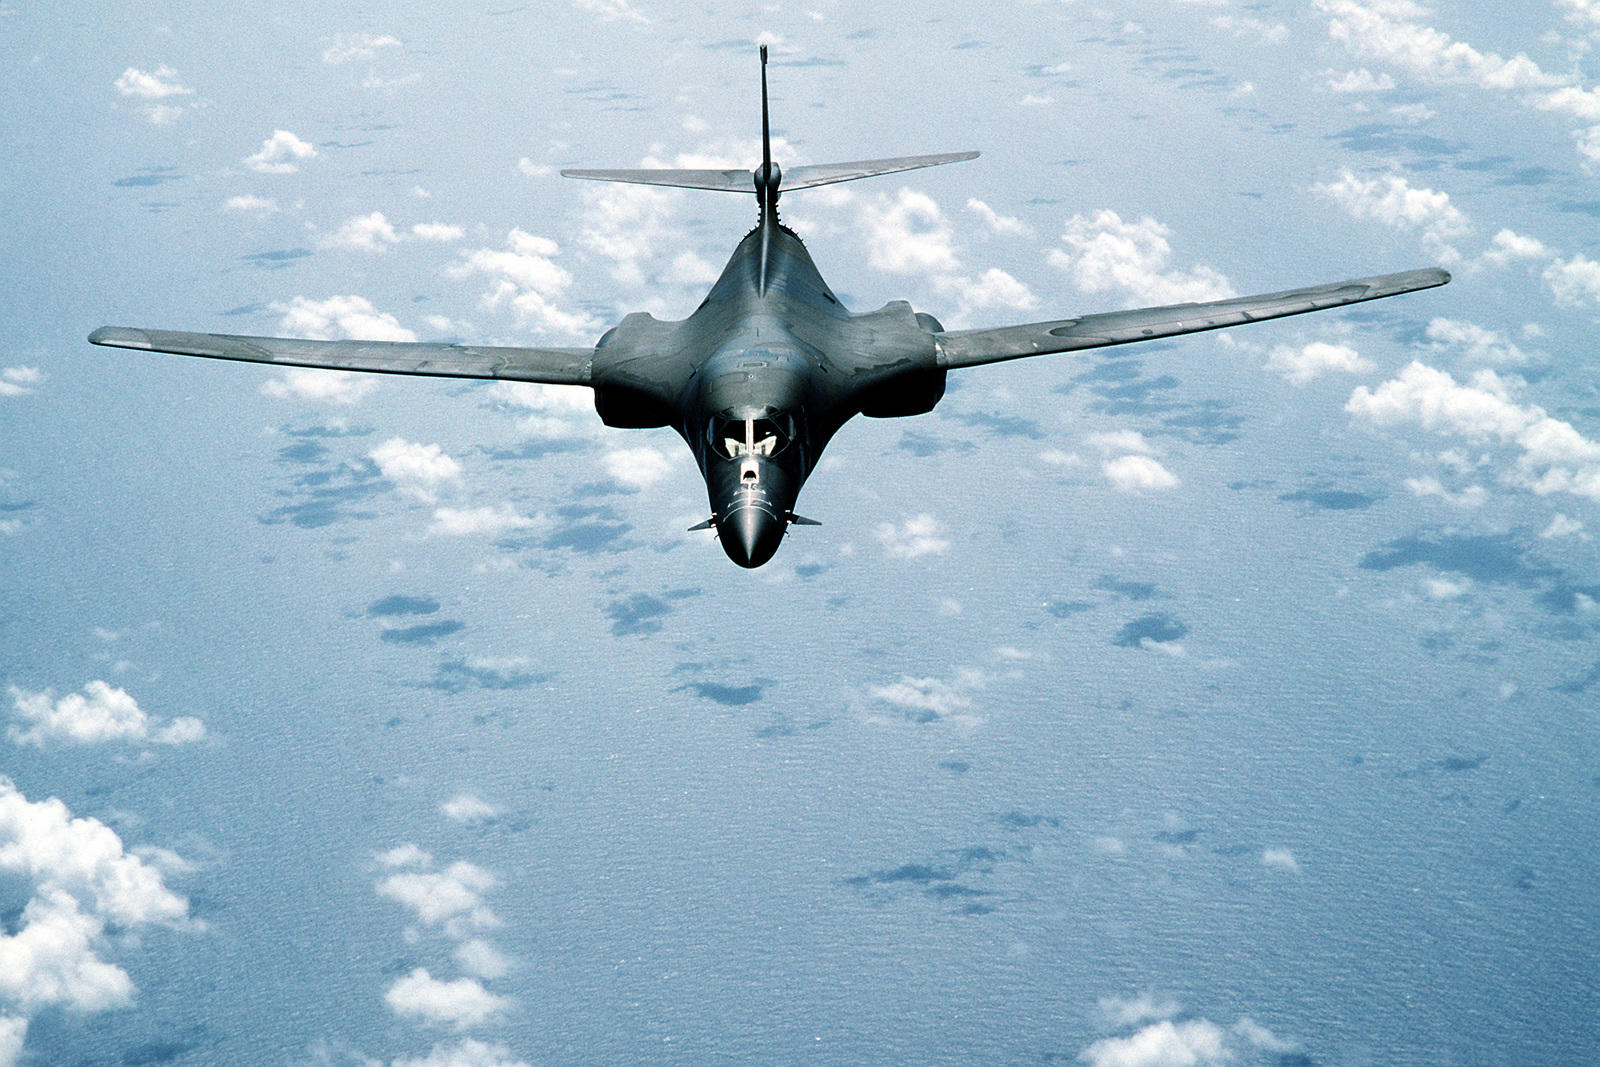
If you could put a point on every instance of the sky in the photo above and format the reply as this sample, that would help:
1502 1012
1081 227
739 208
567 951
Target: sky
1221 700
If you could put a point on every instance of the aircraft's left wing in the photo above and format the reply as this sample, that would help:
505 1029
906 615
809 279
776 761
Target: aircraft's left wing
971 348
552 366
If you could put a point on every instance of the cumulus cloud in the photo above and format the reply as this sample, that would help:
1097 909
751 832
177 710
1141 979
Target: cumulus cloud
461 1003
919 536
558 412
1391 31
365 233
927 700
14 381
436 231
451 898
1391 200
637 468
1553 456
279 152
467 808
1105 254
158 85
78 880
417 470
997 222
1301 365
1476 343
101 713
1360 81
1138 474
1280 859
1136 470
1181 1043
1575 282
525 277
463 522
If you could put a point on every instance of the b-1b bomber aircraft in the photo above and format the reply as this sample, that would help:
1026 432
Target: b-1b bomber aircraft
770 365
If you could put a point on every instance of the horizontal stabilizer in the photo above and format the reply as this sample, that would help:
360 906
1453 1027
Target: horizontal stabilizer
743 181
828 173
731 181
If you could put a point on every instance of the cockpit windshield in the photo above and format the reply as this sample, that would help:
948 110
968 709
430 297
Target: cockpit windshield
765 436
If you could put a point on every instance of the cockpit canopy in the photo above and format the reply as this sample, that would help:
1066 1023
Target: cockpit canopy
767 434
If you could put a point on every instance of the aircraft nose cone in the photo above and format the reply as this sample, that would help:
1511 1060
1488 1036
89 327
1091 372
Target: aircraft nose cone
750 536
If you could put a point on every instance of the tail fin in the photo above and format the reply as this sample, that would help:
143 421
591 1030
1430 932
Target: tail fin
748 181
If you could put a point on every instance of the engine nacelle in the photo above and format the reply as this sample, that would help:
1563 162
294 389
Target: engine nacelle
912 393
630 409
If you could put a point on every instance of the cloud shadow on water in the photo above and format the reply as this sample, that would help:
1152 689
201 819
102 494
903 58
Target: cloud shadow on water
1159 627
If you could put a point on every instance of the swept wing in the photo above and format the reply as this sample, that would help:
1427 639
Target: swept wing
552 366
971 348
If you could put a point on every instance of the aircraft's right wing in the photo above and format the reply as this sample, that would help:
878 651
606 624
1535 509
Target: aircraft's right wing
552 366
814 174
971 348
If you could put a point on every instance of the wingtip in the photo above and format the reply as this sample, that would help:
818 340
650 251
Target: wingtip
120 337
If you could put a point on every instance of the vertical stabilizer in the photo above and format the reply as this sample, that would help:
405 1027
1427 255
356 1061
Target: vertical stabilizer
766 179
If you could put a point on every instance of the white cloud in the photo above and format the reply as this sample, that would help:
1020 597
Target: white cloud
1106 254
278 152
1301 365
1391 200
1121 441
101 713
365 233
250 203
1575 282
467 808
340 317
525 277
1471 496
1479 344
637 468
462 522
1122 1013
560 412
480 958
161 84
933 699
157 85
452 898
919 536
1189 1043
1561 526
78 880
361 47
907 234
1509 246
468 1053
1280 859
1554 456
416 469
1386 30
14 381
1361 81
462 1003
436 231
1138 474
1193 1043
332 386
995 221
